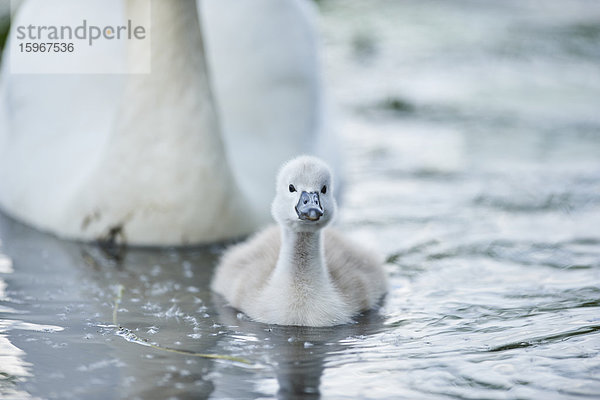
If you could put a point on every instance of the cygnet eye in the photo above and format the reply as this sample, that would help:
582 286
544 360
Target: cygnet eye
292 188
324 189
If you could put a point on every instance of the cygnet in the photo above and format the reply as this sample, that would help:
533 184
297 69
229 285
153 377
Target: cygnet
298 273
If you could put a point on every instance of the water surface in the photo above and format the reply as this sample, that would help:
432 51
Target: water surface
472 138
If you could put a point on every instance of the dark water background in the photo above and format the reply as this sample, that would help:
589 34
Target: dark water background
471 131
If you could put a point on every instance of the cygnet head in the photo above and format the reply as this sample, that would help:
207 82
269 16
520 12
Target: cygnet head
304 199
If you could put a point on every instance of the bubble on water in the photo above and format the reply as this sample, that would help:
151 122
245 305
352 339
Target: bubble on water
101 364
56 375
187 269
6 265
151 307
158 289
128 381
156 270
174 311
152 330
174 255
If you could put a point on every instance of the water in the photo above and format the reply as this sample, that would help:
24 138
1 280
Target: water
472 137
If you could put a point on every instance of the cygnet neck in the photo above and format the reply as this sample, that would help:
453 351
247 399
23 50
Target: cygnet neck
301 259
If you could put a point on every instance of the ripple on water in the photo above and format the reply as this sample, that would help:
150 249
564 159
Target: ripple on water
470 131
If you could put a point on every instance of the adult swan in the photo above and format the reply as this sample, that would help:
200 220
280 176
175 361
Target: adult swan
139 157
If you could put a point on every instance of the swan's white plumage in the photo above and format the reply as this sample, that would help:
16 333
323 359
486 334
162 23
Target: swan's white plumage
276 43
53 126
290 275
83 154
149 162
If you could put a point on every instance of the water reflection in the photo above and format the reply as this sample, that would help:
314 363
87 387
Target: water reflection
14 370
12 366
162 303
298 355
165 301
74 285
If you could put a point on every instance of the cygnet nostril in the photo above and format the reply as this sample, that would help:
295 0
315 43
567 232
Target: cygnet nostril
305 201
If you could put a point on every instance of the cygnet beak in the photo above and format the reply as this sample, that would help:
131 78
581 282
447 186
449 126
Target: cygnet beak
309 206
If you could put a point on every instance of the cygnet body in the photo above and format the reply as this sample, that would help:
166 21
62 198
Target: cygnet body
298 273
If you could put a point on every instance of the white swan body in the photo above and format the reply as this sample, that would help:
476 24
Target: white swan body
298 273
276 45
89 156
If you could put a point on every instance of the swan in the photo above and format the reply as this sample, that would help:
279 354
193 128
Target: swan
299 273
140 158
